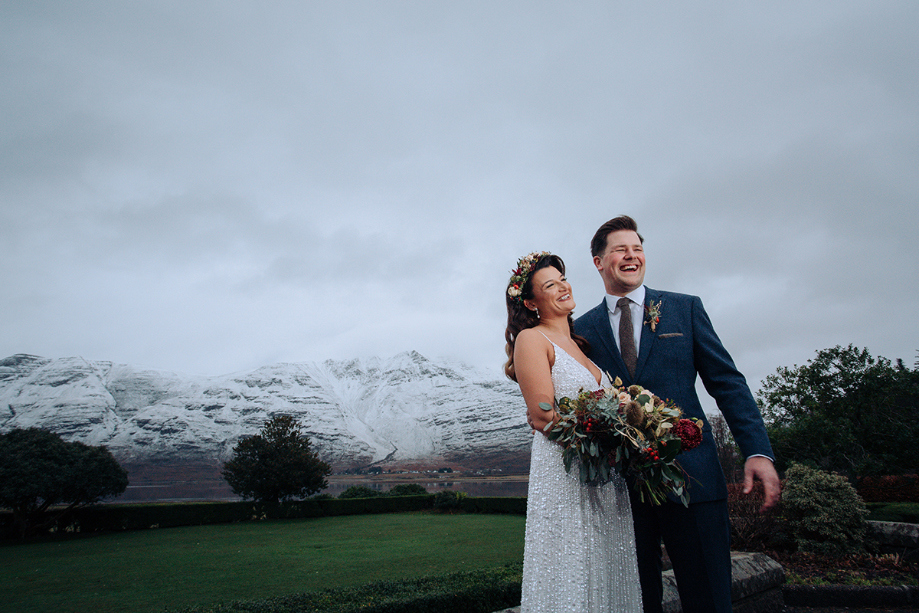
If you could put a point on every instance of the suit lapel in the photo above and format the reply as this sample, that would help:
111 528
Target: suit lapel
647 336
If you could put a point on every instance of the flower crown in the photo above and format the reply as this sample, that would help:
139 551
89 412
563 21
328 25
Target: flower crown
519 275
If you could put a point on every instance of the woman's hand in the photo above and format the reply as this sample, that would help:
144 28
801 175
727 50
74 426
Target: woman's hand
551 417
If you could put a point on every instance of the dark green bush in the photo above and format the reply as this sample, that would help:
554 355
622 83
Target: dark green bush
360 491
448 500
823 512
481 591
407 489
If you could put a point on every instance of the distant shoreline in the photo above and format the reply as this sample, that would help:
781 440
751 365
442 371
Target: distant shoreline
513 485
205 486
427 477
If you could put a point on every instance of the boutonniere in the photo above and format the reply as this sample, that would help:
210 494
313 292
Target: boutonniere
653 312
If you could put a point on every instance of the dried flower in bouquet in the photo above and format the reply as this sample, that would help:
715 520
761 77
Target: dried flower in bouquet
626 429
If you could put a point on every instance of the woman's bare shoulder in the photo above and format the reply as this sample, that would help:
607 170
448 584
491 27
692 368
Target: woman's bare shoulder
532 342
531 337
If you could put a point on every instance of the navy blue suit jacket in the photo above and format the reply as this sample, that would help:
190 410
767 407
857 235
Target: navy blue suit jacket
683 345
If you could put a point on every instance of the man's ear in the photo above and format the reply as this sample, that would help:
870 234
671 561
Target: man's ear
597 262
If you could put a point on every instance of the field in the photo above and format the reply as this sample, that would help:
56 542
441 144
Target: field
145 571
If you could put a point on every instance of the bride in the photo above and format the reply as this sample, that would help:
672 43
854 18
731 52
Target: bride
579 550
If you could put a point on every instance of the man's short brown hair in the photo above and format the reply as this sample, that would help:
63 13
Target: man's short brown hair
623 222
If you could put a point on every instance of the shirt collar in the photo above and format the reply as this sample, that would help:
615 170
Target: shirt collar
637 296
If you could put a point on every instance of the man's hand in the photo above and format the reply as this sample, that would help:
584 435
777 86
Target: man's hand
760 467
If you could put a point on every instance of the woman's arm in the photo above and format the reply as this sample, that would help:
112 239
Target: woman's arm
533 357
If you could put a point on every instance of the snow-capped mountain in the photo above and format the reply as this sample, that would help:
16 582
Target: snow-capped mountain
355 412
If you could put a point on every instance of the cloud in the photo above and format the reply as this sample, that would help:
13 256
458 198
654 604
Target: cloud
209 188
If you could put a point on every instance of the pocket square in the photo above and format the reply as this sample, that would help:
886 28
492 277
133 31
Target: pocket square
670 335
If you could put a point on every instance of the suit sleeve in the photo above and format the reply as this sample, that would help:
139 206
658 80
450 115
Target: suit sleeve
727 386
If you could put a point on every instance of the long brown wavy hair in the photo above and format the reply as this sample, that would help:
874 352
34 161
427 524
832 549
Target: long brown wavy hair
520 318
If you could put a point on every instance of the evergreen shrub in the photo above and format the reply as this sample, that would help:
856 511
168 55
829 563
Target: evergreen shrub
360 491
448 500
824 513
407 489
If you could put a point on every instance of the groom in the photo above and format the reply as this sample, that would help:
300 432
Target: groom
666 340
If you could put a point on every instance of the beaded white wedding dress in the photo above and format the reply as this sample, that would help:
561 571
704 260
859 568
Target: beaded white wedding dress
579 550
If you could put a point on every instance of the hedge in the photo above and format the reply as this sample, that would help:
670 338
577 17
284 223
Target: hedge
495 504
481 591
889 488
119 517
904 512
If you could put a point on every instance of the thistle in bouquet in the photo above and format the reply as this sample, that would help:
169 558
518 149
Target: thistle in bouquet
628 429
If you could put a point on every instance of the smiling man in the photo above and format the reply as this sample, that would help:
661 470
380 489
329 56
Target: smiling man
663 341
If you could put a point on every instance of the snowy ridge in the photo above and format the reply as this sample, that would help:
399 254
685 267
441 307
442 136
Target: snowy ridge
356 412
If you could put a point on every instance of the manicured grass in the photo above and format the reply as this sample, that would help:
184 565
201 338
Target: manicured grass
151 569
894 511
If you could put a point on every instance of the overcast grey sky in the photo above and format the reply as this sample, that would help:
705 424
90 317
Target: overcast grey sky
208 187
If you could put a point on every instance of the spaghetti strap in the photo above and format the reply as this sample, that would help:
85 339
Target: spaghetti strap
603 378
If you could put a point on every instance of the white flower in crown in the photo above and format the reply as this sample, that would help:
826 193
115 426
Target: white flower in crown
523 271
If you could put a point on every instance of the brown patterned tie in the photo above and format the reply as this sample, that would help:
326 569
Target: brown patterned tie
627 336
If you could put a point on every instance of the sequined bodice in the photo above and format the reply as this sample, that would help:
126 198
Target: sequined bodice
570 376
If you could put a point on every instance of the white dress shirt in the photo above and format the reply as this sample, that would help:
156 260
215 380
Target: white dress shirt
637 306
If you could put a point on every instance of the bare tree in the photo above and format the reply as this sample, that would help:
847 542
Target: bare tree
728 455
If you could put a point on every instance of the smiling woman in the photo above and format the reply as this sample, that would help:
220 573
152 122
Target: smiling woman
523 304
571 527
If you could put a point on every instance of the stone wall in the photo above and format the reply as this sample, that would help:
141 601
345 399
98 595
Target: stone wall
757 586
895 537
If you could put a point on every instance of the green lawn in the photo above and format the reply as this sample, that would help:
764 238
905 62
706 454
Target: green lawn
151 569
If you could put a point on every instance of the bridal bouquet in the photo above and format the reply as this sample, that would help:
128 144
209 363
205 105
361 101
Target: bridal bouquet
627 429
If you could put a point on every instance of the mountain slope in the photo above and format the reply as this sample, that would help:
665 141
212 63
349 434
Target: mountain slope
355 412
